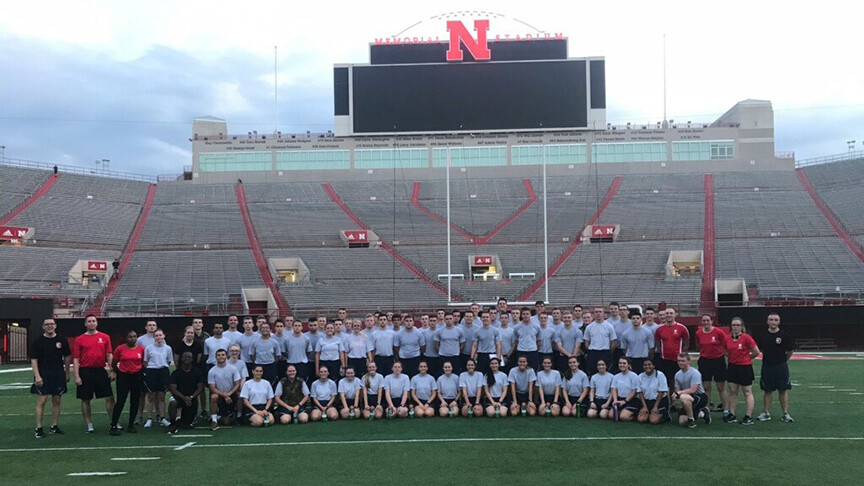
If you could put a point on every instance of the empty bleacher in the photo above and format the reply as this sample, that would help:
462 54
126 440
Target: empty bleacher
17 184
33 271
841 187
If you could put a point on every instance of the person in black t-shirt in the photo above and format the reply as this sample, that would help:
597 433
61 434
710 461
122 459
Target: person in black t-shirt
50 356
187 384
777 347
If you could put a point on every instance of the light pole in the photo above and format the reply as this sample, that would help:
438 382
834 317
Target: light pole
106 164
851 145
2 152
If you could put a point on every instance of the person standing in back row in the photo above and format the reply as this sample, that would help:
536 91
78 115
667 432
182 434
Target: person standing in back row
92 357
671 339
777 347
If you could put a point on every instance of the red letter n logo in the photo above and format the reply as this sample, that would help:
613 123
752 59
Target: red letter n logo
458 33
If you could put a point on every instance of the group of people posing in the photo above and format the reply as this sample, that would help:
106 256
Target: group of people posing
494 362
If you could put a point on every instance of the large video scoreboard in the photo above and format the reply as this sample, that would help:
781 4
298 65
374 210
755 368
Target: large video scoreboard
470 84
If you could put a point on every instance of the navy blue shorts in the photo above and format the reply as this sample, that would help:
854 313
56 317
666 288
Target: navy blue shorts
53 383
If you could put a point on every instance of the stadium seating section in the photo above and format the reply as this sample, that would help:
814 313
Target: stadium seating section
194 251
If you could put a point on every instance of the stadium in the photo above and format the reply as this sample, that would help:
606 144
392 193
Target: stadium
469 168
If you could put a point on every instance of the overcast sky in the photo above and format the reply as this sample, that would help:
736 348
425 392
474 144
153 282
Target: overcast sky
85 80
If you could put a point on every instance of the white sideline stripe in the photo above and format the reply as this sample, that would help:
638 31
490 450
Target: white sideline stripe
185 446
14 370
859 393
193 435
422 441
845 389
97 474
135 458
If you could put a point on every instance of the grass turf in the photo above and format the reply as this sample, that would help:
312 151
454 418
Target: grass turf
824 445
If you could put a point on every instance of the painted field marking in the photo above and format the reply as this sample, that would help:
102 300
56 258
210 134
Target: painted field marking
15 370
185 446
117 473
858 393
845 389
192 435
821 386
135 458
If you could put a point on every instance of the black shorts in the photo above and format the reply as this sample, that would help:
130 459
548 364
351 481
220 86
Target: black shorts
53 383
225 410
280 411
662 408
248 413
637 364
372 399
550 399
521 398
599 402
740 374
595 355
713 369
409 365
633 405
700 401
94 381
505 402
669 368
271 372
188 413
157 379
775 377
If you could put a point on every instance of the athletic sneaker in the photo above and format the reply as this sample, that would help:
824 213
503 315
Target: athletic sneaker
764 417
131 430
214 425
114 430
691 423
718 408
90 429
148 424
172 429
747 420
706 415
165 422
139 421
787 418
39 433
56 430
730 419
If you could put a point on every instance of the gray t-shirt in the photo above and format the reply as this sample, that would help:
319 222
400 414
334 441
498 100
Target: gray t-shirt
500 386
522 379
600 336
357 346
233 336
158 356
569 339
448 386
625 383
470 337
429 337
247 341
423 386
526 336
375 383
506 335
330 348
649 386
486 339
397 385
382 341
257 392
266 350
223 377
323 391
637 342
449 340
213 344
409 342
296 348
471 382
576 383
549 381
547 336
350 387
684 380
602 385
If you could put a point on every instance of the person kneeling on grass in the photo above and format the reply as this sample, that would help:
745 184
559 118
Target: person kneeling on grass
291 397
624 386
689 392
396 388
601 392
575 388
448 390
187 383
653 393
424 391
224 383
471 385
257 396
373 392
522 379
324 393
496 389
549 388
349 395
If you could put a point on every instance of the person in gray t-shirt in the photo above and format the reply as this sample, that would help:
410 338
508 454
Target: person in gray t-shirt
689 392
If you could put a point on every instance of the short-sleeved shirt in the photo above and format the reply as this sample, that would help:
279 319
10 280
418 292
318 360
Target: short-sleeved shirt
522 379
409 342
526 336
739 349
448 386
651 385
712 344
637 341
671 340
129 360
506 335
92 350
423 386
247 342
297 347
397 385
280 389
223 377
499 387
266 350
549 381
356 345
145 340
213 344
486 339
686 379
241 367
375 383
233 336
546 337
449 339
324 391
470 336
602 384
625 383
569 339
774 346
187 381
382 341
349 388
313 339
196 348
257 392
600 336
330 347
576 384
158 356
50 352
471 382
620 326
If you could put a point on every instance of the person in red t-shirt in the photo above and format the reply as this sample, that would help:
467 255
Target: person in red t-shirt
741 349
671 338
92 359
712 363
128 364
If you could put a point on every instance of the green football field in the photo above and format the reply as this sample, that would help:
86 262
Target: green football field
825 445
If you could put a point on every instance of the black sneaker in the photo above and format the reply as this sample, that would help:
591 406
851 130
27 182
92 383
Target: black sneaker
130 429
706 415
56 430
39 433
730 419
172 429
114 430
747 420
691 423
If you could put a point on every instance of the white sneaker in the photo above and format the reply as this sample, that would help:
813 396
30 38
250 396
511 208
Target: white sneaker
148 424
764 417
90 429
165 422
787 418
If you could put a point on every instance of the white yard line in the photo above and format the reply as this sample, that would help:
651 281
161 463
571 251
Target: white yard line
97 474
135 458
